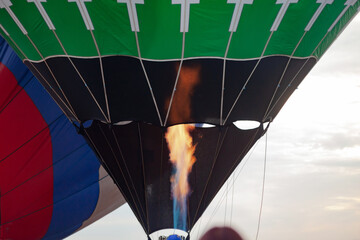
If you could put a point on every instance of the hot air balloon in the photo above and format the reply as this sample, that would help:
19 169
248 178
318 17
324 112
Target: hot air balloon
126 71
51 183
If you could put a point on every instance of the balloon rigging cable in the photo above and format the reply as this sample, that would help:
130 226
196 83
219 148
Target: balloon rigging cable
235 176
263 188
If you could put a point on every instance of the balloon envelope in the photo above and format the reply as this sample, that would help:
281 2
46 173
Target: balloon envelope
51 184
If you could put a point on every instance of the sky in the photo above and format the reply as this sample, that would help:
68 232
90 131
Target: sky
312 181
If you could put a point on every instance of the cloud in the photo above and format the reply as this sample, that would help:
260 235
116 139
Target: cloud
343 203
353 163
341 140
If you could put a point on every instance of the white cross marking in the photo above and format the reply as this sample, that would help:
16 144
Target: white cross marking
7 4
239 4
348 4
84 13
131 6
43 13
185 13
318 12
281 13
4 30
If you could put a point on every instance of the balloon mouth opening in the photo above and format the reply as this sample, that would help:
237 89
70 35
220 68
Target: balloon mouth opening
122 123
266 124
204 125
240 124
246 124
169 234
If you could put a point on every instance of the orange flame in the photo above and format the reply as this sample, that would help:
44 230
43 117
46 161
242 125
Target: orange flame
189 77
180 142
182 157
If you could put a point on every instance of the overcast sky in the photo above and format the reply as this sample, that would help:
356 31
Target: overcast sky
312 188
